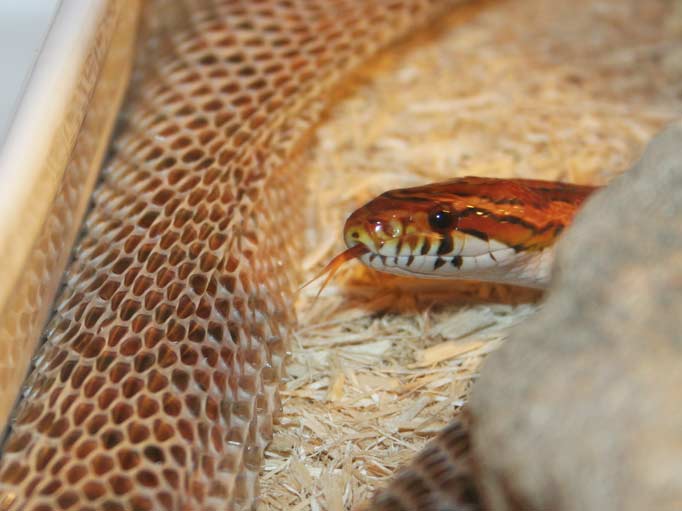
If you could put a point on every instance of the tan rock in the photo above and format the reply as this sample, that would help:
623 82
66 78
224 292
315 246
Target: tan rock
580 409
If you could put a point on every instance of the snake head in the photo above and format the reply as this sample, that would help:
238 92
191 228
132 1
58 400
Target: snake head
470 228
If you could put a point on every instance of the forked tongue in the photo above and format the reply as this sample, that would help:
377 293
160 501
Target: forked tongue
333 266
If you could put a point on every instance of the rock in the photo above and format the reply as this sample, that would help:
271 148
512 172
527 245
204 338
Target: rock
581 408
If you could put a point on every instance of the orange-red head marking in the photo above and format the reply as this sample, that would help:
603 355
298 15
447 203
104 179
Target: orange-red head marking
469 228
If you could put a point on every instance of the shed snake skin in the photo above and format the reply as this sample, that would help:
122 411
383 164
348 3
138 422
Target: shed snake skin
156 384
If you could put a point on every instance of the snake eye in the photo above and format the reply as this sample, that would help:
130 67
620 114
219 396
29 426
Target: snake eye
441 219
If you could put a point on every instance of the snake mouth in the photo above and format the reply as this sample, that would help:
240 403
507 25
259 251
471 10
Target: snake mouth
435 266
454 256
499 266
473 260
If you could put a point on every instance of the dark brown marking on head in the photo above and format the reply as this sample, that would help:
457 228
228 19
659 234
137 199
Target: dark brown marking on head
509 219
426 246
445 246
498 201
457 261
404 194
438 263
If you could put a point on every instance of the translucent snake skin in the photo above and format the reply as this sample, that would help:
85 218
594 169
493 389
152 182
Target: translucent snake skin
157 381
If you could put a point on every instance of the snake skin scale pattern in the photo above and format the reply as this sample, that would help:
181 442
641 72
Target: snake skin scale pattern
157 381
439 478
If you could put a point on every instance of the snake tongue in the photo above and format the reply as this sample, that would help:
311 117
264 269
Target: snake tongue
333 266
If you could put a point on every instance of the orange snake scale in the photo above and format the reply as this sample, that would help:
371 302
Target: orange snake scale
157 381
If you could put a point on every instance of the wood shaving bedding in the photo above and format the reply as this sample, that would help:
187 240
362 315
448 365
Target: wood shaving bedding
568 90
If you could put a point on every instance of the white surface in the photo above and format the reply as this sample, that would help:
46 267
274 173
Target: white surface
23 27
43 129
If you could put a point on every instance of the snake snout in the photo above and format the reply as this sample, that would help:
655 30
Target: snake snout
378 237
379 233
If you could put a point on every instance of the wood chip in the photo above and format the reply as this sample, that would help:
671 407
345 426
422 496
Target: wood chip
445 351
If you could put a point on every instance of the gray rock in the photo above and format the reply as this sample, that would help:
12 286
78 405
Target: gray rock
582 407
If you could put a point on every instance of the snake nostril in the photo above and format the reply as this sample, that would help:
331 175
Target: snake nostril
353 236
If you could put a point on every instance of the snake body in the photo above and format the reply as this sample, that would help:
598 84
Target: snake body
157 381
